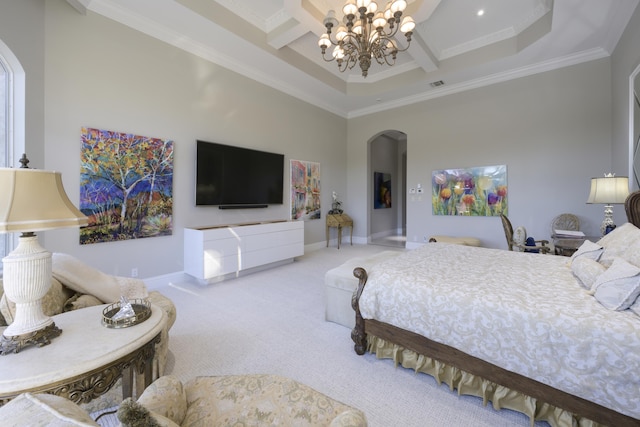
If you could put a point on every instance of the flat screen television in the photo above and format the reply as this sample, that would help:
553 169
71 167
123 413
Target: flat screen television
235 177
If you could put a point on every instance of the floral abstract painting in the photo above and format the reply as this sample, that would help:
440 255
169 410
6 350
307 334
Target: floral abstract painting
126 186
477 191
305 190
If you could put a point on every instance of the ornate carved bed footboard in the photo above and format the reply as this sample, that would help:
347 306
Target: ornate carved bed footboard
580 407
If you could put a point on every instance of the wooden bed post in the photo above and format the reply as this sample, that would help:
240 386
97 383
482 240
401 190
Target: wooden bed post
358 334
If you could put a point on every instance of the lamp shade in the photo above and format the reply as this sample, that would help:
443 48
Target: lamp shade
35 200
609 190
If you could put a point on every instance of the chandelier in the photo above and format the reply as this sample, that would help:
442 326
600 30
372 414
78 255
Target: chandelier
367 34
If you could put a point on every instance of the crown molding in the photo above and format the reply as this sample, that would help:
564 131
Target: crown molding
541 67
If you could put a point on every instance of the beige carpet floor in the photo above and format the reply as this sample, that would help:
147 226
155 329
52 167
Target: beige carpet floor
273 322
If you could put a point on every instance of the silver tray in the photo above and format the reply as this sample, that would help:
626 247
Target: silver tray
141 308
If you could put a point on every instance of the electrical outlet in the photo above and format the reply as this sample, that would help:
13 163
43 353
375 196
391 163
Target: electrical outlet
134 272
412 191
420 190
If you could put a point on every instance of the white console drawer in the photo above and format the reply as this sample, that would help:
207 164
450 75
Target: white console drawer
217 251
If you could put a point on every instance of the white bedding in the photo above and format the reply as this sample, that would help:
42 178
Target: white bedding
523 312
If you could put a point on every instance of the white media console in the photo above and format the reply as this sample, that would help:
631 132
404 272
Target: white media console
211 253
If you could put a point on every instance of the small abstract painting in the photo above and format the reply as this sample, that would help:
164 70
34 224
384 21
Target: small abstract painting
126 186
305 190
476 191
381 190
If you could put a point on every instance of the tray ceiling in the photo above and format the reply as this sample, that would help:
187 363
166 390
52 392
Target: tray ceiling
453 48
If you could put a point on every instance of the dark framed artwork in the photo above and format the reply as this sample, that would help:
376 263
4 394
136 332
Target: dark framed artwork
381 190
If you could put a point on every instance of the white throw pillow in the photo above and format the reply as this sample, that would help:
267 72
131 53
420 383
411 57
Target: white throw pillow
635 307
85 279
43 410
587 270
619 286
588 249
622 242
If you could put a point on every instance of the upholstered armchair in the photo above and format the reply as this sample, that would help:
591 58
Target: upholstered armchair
248 400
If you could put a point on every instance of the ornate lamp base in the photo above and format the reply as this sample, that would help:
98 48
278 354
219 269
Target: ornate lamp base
13 344
608 219
27 279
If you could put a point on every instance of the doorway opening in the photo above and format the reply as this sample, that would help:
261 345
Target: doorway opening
387 171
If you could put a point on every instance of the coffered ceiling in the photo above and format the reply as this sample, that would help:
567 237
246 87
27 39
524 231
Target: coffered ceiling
453 48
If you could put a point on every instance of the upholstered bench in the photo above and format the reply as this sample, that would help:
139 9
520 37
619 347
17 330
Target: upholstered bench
340 283
467 241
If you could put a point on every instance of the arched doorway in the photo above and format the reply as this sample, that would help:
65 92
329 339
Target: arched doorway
634 129
386 172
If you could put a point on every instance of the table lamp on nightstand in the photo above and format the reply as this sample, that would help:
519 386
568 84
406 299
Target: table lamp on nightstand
31 200
608 190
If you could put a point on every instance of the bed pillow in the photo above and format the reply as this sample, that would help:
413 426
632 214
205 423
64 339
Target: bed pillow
635 307
619 286
79 301
588 249
85 279
587 270
622 242
44 409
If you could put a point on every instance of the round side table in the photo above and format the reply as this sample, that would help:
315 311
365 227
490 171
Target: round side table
86 360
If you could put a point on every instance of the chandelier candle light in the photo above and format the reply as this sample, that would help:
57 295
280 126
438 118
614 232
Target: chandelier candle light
31 200
367 34
608 190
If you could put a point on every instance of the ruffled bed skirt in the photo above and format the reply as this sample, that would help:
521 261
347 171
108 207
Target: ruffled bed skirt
468 384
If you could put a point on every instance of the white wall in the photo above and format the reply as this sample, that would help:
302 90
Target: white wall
98 73
552 130
22 30
624 60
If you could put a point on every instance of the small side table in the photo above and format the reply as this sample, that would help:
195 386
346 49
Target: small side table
566 246
86 360
339 221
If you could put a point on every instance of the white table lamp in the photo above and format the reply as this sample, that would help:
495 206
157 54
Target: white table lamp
608 190
31 200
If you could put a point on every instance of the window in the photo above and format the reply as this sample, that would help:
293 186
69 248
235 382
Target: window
12 113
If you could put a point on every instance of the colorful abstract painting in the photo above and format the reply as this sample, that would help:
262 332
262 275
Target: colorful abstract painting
381 190
126 186
305 190
477 191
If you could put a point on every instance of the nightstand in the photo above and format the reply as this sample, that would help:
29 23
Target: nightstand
566 246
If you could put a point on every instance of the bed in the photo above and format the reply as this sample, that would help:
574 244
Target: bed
556 338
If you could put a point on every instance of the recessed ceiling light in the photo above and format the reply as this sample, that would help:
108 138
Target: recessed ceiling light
480 12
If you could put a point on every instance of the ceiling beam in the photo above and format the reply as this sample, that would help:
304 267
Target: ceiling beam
286 33
80 5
